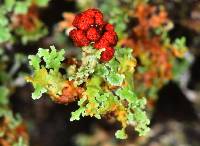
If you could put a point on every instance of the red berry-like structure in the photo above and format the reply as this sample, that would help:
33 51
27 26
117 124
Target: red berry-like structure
107 54
93 34
90 28
79 38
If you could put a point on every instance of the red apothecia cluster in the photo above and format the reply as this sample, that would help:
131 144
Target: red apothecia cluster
92 29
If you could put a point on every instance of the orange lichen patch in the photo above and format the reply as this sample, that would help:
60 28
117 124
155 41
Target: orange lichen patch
69 94
12 135
178 52
142 13
67 22
119 112
148 78
121 115
28 21
3 142
152 56
148 18
159 19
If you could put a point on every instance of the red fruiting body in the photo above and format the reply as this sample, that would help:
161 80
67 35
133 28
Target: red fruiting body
93 12
83 22
97 15
107 55
92 34
76 20
79 38
102 43
90 27
109 27
111 37
99 19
